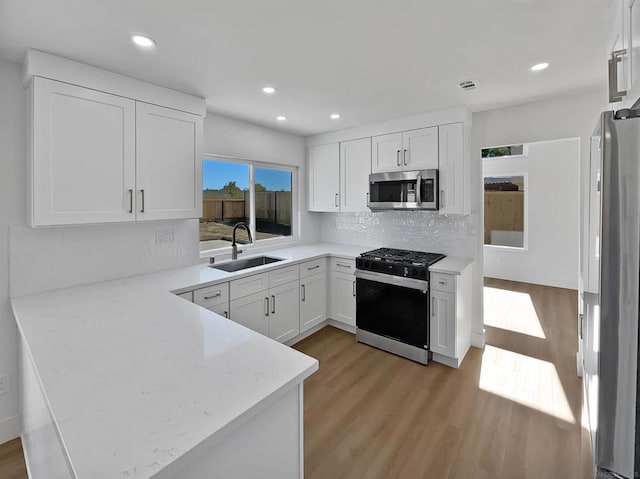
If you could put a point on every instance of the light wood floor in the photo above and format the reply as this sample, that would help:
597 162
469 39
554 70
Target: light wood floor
513 410
11 460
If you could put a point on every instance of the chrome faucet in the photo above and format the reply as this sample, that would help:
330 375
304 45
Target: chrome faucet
234 247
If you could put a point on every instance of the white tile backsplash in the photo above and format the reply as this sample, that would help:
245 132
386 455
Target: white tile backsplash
417 230
58 257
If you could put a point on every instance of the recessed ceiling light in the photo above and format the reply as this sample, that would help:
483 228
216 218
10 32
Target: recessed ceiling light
143 41
539 67
335 116
281 118
269 89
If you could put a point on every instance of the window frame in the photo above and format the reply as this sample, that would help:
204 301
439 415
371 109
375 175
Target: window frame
267 243
525 219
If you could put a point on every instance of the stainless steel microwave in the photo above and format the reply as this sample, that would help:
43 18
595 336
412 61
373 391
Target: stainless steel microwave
404 190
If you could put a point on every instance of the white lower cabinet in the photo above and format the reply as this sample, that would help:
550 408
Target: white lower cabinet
252 311
284 312
313 300
342 291
450 322
262 303
343 297
443 323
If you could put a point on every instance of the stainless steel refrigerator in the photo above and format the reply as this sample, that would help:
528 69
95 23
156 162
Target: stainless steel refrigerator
610 294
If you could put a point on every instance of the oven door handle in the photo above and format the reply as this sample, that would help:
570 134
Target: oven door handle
394 280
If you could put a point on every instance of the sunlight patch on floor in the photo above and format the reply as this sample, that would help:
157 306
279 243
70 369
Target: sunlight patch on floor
529 381
511 310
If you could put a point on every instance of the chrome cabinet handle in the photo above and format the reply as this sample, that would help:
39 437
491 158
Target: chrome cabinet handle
226 314
130 201
442 282
217 295
398 157
142 208
367 199
303 292
266 306
354 288
342 265
336 201
615 95
441 198
404 157
273 304
313 267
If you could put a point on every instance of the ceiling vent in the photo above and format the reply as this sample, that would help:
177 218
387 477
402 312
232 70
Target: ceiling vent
468 84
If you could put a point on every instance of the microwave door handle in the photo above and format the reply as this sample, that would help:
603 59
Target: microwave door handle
418 193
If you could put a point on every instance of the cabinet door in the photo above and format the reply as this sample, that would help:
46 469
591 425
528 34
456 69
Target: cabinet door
221 309
453 170
355 166
386 153
252 311
443 323
168 164
343 298
284 312
420 149
83 157
324 177
313 301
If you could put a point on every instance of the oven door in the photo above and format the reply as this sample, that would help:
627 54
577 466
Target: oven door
394 307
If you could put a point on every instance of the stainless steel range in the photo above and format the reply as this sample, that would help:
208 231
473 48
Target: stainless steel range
392 301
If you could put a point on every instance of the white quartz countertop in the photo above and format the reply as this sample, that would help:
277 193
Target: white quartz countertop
136 377
451 265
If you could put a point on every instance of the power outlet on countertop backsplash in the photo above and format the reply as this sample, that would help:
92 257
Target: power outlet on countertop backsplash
5 384
165 237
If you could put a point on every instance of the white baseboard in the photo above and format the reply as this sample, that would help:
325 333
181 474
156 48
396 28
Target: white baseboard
10 428
340 325
477 339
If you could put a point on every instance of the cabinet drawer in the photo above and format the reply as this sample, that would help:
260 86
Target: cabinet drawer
443 282
212 295
249 285
188 296
283 276
342 265
313 267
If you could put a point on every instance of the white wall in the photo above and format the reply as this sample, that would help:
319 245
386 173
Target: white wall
551 217
570 116
34 260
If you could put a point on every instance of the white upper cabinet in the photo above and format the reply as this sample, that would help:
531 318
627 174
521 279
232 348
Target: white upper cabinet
98 155
386 151
168 172
324 177
339 176
355 166
420 149
82 155
409 150
454 171
623 47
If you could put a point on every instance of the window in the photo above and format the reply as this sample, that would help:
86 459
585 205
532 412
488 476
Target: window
242 191
501 151
504 211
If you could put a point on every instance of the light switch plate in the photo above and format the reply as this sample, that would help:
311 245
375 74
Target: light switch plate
165 237
5 385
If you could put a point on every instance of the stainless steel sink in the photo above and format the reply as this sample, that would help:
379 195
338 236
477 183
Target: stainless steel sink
238 264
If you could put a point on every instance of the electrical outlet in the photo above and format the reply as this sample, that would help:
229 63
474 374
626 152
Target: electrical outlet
165 237
5 385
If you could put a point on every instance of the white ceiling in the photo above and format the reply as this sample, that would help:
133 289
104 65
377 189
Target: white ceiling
370 60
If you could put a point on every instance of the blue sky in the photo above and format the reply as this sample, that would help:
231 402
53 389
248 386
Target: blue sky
216 174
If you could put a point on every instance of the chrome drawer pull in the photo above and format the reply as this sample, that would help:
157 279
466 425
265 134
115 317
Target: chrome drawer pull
217 295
